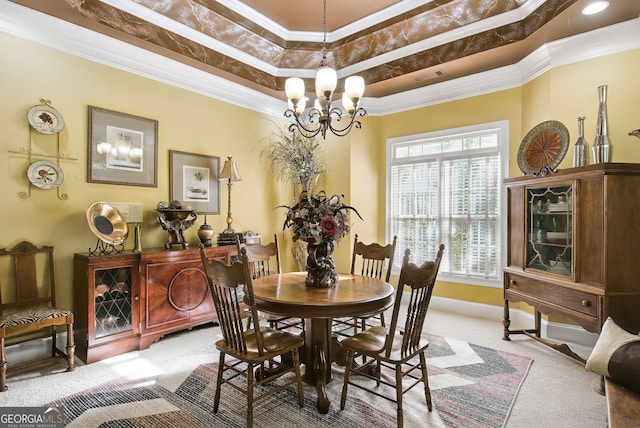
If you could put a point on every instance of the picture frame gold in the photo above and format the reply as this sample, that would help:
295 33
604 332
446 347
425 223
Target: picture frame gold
122 149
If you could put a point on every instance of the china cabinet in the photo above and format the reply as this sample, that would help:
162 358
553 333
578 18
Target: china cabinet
572 247
127 301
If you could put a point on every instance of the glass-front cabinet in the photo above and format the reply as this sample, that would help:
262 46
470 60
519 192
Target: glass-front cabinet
572 248
550 229
112 301
107 305
127 301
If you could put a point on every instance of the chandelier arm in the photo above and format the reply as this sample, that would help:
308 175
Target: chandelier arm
314 115
344 131
335 112
341 132
299 126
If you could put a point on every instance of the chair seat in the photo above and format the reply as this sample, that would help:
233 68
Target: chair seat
371 342
32 315
276 342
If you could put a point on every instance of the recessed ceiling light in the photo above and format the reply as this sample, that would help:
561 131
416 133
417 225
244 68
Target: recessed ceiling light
595 7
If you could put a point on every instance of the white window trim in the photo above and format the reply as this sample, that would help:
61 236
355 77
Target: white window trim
503 126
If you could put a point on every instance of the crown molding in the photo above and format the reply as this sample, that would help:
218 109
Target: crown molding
610 40
27 24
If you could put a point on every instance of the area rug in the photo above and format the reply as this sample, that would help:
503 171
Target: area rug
471 386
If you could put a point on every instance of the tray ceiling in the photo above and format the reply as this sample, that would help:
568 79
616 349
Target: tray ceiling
395 45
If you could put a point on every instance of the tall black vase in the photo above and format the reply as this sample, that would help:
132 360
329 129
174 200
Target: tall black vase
321 269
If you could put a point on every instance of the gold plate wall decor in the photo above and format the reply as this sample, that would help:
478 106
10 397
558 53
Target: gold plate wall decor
543 148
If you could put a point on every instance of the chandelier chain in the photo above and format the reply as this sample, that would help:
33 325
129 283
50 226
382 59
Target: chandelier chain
324 26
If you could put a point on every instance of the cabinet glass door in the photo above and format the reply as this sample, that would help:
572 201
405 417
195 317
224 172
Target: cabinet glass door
549 229
112 294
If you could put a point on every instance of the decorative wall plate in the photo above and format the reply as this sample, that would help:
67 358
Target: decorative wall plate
107 223
45 119
543 148
45 174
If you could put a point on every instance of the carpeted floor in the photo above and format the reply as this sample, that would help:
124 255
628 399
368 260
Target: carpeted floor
471 385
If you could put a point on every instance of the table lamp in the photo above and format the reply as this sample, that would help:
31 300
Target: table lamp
229 173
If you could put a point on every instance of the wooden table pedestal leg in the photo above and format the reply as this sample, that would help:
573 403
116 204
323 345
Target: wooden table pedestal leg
318 365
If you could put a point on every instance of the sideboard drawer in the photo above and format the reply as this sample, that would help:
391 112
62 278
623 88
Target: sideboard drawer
574 300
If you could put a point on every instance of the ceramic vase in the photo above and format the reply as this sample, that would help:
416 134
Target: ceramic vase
581 148
601 148
205 234
321 268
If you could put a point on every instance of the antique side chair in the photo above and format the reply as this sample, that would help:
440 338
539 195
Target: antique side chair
373 260
264 259
30 306
392 347
228 283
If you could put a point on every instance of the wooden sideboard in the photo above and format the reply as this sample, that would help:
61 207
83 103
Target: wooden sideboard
573 247
127 301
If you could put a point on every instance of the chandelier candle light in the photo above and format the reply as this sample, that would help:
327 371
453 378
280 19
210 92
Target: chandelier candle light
319 117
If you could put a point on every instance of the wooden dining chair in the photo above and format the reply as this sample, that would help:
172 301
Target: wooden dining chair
228 284
396 347
29 305
373 260
264 259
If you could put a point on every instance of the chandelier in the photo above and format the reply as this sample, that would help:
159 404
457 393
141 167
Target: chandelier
322 116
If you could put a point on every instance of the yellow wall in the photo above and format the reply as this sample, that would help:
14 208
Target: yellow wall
198 124
561 94
187 122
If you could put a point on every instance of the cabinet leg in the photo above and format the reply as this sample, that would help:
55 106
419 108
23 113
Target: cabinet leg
506 322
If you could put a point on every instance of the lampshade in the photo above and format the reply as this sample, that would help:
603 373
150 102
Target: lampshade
347 103
326 81
294 88
354 86
230 171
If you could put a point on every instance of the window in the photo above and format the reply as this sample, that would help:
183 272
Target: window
446 187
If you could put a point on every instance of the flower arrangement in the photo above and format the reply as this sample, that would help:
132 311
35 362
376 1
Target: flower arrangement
317 218
319 221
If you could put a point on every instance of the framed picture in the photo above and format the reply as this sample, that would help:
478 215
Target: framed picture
194 181
122 149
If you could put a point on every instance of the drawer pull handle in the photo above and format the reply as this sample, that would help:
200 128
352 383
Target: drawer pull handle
513 282
586 303
136 298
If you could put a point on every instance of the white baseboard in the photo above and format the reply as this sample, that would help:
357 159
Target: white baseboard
519 320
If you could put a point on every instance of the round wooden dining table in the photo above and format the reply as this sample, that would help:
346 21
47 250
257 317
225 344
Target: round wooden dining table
353 295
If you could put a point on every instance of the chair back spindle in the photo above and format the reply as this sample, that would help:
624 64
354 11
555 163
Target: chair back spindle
375 260
263 259
400 348
420 281
229 285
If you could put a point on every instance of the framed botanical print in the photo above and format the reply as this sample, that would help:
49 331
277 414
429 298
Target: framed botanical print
194 181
